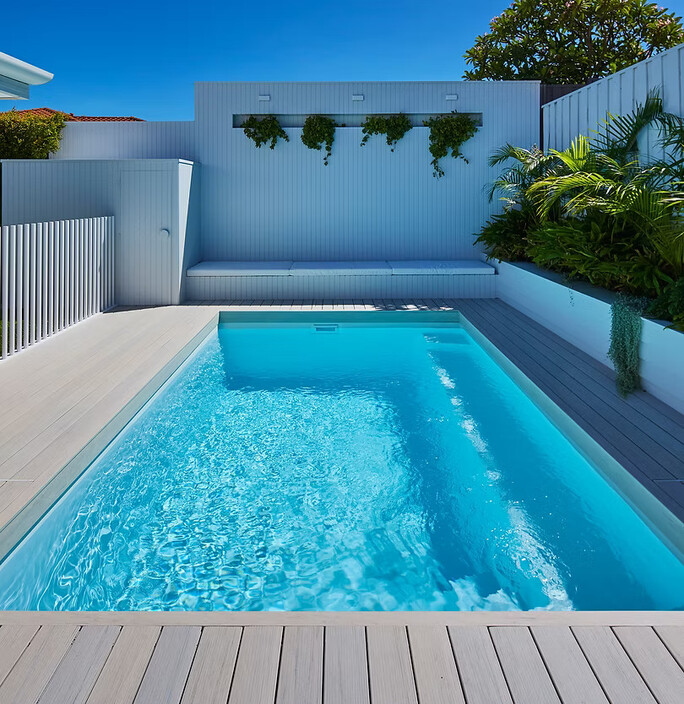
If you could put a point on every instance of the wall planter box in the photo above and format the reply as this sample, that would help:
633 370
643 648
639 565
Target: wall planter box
580 314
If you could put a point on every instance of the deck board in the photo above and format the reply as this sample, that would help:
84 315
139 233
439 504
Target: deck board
310 664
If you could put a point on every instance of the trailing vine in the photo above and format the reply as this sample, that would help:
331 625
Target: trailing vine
263 130
319 130
448 132
625 340
394 127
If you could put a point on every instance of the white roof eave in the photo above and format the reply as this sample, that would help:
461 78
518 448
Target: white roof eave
22 72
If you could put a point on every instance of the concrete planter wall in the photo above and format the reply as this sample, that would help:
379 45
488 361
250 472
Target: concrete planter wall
580 314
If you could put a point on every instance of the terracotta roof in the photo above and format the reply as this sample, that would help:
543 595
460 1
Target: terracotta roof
70 117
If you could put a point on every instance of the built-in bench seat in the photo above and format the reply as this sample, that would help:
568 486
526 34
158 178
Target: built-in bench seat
416 267
283 280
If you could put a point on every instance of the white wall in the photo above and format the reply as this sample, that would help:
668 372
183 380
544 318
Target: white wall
582 317
146 197
581 112
128 140
369 203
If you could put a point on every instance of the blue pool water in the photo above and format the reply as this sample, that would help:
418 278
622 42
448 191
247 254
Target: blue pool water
384 467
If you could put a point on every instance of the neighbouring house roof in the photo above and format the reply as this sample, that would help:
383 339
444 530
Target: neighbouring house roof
70 117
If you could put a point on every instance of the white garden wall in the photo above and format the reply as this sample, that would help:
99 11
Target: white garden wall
580 314
368 204
155 207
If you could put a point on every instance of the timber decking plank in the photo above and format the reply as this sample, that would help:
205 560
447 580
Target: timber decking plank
673 637
256 672
212 670
167 672
523 667
345 678
662 673
434 666
481 674
301 666
76 674
13 641
615 671
588 410
34 668
389 666
122 674
660 445
574 679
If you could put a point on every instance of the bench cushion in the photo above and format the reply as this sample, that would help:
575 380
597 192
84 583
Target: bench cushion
240 269
425 266
340 269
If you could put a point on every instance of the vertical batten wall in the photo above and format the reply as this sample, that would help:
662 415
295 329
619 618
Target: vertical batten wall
582 111
157 225
53 275
128 140
368 203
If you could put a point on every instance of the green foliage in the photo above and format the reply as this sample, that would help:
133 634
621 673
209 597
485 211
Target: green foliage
394 127
504 236
625 340
601 212
571 41
264 129
319 130
670 305
448 133
29 136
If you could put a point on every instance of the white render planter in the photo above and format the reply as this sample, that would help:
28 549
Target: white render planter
580 314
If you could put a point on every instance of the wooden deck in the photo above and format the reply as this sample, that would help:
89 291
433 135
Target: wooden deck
62 400
70 663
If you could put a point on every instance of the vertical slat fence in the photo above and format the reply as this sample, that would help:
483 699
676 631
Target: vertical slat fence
53 275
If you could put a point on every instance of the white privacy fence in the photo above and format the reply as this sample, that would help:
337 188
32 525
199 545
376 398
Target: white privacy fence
52 275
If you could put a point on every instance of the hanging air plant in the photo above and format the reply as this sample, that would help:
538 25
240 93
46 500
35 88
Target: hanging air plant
625 340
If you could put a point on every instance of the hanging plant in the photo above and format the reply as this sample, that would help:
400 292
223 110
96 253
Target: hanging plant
319 130
394 127
448 132
625 340
264 129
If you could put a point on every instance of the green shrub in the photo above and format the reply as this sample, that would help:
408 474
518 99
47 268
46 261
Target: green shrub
29 136
670 304
505 236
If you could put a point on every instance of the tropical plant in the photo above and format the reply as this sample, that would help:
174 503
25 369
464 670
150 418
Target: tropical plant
29 136
448 133
264 129
394 127
319 131
602 211
670 304
571 41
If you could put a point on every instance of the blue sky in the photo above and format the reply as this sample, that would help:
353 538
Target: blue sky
142 58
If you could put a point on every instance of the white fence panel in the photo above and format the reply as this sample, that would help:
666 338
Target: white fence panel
581 111
53 275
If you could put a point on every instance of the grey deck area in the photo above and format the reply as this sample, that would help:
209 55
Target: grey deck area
71 663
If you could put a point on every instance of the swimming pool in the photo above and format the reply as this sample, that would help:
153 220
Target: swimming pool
341 466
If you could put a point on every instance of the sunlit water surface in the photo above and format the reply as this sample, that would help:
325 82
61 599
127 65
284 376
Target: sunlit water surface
377 468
